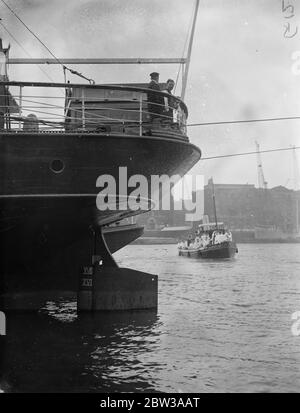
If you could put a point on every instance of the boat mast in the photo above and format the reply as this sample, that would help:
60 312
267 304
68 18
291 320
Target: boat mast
295 171
297 215
4 94
188 59
214 202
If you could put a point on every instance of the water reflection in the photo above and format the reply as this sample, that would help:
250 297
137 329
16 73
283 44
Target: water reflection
59 351
221 326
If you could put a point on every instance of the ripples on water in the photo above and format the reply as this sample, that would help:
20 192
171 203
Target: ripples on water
220 326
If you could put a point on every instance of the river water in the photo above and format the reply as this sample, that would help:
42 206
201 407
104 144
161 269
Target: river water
221 326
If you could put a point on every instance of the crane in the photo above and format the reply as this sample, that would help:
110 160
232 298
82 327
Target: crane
261 179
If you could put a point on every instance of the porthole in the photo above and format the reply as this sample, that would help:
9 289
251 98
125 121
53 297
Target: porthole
57 166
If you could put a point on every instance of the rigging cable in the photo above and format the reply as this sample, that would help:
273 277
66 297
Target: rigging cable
243 121
20 45
250 153
74 72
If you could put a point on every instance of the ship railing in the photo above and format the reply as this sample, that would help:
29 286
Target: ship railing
102 109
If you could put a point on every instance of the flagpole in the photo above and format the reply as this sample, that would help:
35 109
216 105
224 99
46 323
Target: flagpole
214 203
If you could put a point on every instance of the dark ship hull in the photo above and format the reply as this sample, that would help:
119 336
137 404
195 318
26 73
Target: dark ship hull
47 214
224 250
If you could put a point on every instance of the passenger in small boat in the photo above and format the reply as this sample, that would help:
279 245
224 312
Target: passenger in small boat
205 240
213 237
222 236
228 235
190 239
197 242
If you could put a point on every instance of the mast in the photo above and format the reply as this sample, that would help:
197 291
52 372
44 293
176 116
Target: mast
188 59
295 171
4 94
214 203
297 214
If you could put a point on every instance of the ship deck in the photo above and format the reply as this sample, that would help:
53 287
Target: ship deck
40 107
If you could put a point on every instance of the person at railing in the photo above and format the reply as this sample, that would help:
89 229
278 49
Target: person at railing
31 123
155 100
169 102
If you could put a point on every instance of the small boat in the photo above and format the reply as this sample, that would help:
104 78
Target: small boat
211 241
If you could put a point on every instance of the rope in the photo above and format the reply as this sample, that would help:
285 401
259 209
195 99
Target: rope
250 153
20 45
74 72
244 121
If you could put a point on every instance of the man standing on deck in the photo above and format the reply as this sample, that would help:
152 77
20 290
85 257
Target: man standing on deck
155 100
169 103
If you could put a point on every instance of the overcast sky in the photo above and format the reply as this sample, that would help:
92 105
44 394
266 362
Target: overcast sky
241 66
